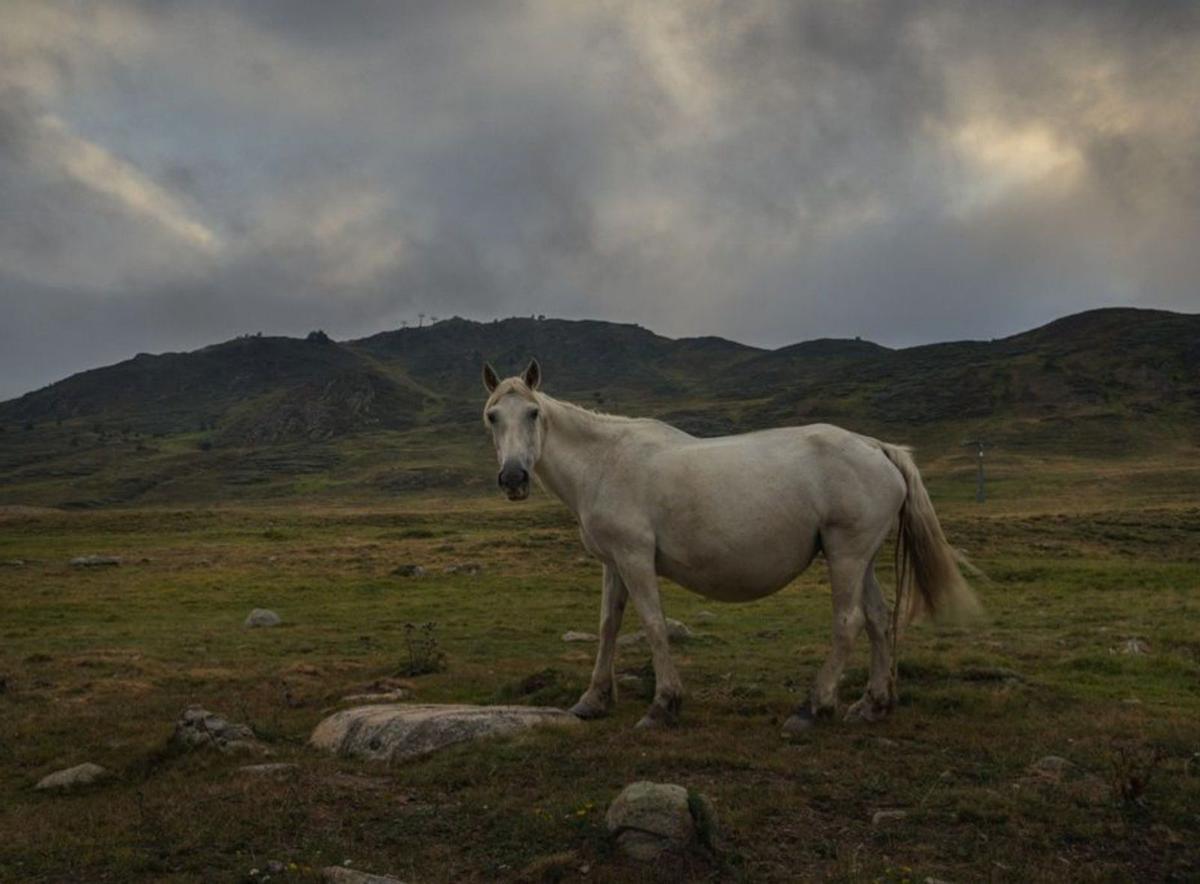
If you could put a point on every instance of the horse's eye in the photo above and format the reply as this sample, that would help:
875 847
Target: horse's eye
491 417
533 415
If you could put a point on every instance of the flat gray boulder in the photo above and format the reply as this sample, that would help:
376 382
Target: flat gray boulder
79 775
395 732
260 618
650 818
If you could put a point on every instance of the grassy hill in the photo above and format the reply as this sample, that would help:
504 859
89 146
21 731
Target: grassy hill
397 412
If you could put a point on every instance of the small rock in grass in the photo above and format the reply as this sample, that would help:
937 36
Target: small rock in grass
408 571
1133 647
197 728
677 631
261 618
95 561
1050 765
464 568
269 770
887 816
13 563
573 636
648 819
342 875
79 775
381 697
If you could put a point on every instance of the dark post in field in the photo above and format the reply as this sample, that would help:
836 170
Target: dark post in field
979 445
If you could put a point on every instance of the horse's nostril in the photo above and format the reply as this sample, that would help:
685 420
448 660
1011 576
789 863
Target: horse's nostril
513 477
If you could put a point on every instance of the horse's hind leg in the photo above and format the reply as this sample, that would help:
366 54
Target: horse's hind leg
880 696
846 572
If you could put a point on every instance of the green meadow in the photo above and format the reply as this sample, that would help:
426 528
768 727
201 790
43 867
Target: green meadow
1076 558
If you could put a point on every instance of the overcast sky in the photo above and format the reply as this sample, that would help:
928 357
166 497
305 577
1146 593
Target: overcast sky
176 173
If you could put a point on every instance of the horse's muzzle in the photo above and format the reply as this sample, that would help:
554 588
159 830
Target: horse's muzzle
514 480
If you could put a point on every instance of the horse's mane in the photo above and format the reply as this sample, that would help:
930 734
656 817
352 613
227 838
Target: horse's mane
518 386
591 412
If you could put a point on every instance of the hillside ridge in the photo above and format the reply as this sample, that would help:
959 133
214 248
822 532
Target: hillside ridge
399 409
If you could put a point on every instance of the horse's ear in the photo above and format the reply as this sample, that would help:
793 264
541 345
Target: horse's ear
490 379
533 375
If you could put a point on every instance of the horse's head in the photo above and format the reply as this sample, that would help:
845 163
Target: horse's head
514 416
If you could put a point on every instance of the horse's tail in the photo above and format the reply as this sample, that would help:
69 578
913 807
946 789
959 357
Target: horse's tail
924 558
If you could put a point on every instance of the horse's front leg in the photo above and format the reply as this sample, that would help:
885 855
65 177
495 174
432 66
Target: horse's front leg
598 699
642 584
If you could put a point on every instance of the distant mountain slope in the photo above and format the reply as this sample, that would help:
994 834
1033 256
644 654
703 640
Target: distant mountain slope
400 409
582 355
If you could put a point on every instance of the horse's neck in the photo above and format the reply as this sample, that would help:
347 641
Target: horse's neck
573 451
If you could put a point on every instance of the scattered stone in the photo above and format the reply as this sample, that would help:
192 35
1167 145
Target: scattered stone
1133 647
650 818
1052 766
991 673
573 636
262 618
396 732
705 615
197 728
375 698
268 770
305 669
342 875
79 775
408 571
887 816
464 568
677 631
95 561
1060 773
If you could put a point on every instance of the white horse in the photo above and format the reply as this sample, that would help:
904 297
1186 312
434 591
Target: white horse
734 518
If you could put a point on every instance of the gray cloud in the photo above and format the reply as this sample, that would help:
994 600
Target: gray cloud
174 173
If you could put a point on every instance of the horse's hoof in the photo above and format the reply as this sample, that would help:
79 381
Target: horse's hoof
656 718
867 710
587 711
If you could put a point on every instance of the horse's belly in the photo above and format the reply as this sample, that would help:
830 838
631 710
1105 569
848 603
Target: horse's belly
739 578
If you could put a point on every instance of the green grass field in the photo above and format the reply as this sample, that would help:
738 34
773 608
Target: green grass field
96 664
